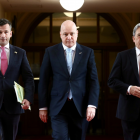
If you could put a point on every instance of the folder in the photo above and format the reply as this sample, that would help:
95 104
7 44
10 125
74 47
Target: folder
19 93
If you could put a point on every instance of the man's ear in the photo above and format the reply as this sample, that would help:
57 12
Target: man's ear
60 34
11 34
133 38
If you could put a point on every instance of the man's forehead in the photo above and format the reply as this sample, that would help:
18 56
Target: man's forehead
70 27
138 30
68 30
3 28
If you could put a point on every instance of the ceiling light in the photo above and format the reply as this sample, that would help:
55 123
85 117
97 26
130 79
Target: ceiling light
71 5
70 14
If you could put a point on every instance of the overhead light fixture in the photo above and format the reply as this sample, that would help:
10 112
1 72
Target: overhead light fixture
70 14
71 5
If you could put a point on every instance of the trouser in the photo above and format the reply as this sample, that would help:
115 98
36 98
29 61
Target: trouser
131 129
8 125
68 124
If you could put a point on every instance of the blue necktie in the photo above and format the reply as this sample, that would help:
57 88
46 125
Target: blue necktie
69 65
69 59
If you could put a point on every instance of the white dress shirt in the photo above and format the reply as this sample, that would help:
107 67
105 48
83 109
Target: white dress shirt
137 55
73 51
7 50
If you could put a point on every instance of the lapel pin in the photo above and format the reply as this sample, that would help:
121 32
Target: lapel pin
80 52
15 52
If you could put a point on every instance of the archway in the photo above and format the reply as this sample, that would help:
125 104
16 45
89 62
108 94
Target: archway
107 40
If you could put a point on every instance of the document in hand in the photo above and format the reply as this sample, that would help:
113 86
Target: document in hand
19 93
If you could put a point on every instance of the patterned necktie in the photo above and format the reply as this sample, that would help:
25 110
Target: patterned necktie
69 65
4 61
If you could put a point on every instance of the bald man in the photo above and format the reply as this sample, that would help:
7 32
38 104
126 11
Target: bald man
74 95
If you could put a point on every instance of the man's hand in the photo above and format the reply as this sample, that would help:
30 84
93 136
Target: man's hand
135 91
90 113
43 114
26 104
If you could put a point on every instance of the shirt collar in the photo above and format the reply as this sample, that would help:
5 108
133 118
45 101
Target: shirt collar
6 46
65 47
137 51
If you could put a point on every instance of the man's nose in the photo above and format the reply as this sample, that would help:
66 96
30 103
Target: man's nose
69 36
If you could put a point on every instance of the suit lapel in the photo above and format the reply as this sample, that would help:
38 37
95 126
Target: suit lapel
61 57
0 73
77 58
133 59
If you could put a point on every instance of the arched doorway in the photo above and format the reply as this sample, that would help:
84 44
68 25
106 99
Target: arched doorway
97 31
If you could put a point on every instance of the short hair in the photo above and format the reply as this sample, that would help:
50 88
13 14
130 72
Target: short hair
135 28
4 21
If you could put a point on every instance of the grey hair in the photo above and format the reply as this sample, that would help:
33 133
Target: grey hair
135 28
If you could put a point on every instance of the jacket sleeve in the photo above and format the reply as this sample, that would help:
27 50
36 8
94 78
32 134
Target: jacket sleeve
28 79
45 73
115 80
93 84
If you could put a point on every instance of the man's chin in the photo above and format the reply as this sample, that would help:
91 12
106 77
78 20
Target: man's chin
3 43
69 45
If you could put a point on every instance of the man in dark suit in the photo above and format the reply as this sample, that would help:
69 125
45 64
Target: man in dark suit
125 79
75 90
13 63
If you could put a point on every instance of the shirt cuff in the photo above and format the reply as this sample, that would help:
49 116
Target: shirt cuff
128 90
44 108
92 106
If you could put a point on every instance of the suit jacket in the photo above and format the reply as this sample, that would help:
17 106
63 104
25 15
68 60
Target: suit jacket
18 65
83 80
125 73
